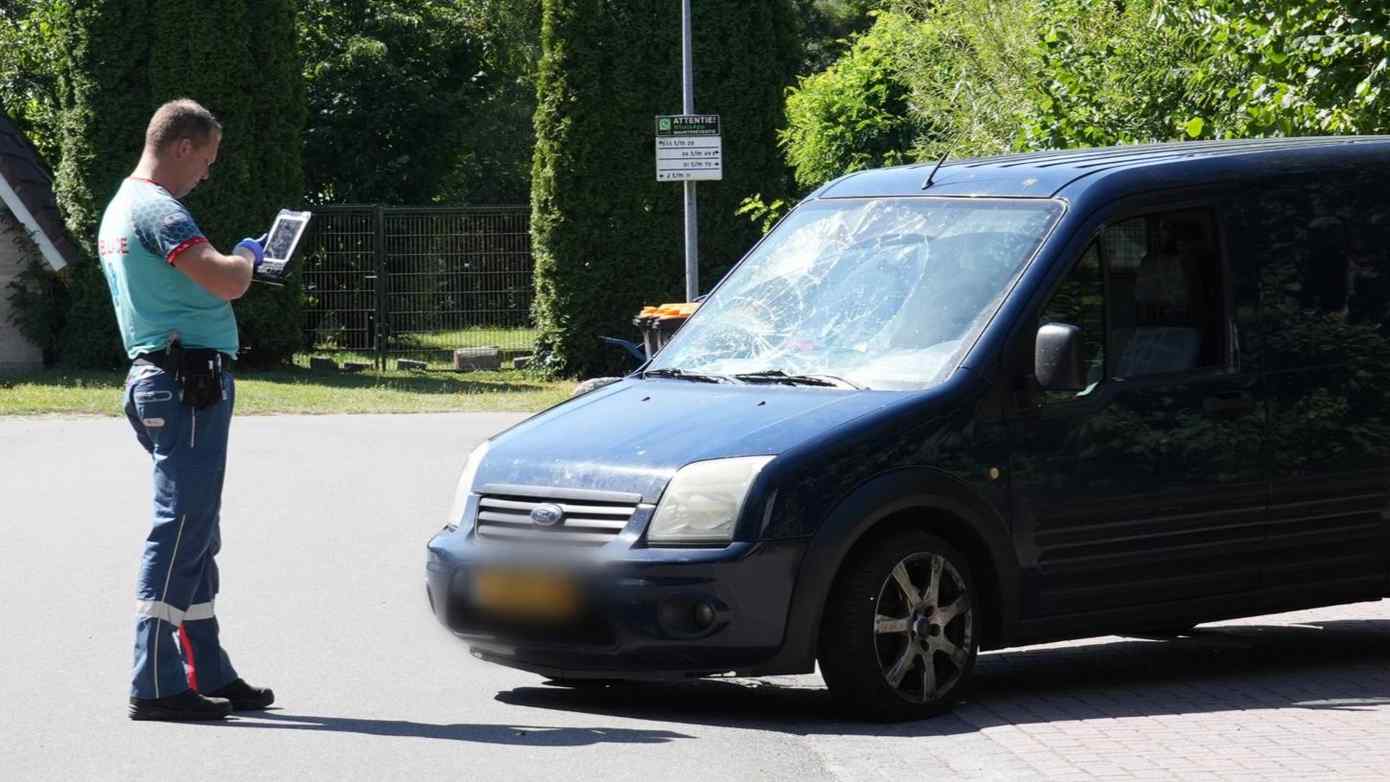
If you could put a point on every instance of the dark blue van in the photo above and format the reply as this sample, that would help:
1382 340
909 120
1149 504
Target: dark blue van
1019 399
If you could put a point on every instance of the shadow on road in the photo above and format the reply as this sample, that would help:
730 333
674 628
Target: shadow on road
1329 665
522 735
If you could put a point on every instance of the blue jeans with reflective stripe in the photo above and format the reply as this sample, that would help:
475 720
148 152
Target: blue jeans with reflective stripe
178 574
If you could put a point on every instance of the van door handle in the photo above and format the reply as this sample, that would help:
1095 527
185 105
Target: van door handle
1232 404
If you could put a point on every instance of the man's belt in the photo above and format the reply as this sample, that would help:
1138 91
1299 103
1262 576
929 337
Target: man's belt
168 363
197 371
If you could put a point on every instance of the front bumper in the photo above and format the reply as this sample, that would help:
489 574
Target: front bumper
638 608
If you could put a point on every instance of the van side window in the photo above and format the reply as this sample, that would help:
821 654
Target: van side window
1080 301
1324 259
1166 303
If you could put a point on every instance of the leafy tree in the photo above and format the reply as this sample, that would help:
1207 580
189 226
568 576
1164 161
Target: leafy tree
28 66
930 77
390 85
494 165
1284 67
441 91
854 114
1110 74
607 235
973 70
828 27
978 77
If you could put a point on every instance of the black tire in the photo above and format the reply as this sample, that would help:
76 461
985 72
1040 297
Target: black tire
859 655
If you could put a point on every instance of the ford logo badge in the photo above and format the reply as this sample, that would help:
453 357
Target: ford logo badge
547 515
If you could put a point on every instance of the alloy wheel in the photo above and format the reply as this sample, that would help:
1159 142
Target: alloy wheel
923 628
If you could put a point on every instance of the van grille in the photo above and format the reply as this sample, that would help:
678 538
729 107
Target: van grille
587 518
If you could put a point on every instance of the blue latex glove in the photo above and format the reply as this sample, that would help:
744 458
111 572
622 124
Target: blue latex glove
257 248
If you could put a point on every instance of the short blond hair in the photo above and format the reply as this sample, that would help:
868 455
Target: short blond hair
180 119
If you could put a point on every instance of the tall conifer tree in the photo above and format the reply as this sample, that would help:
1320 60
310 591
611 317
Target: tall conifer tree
238 58
104 100
608 236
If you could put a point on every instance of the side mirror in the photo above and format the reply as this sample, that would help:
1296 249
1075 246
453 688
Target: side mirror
1057 361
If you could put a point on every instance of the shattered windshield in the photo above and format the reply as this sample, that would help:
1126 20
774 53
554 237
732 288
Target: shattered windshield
877 293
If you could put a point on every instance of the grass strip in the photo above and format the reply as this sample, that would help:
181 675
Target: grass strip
296 390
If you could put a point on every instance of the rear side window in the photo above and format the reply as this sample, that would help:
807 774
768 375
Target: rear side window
1322 246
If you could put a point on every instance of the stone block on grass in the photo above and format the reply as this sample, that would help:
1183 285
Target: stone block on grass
474 359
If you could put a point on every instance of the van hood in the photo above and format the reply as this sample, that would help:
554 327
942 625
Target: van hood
632 436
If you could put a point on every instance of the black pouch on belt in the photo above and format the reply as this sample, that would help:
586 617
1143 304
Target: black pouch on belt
199 375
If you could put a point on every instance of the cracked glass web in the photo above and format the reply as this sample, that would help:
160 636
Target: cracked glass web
882 292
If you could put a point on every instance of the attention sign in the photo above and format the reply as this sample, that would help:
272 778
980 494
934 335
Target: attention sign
688 148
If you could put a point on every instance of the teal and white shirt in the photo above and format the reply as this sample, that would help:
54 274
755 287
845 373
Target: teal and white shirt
143 233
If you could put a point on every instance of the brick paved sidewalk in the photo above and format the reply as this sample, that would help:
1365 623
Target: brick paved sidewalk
1297 696
1300 696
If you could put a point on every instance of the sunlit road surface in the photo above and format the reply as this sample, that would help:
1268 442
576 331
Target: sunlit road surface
324 523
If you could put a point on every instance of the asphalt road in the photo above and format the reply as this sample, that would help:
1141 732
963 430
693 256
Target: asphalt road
324 523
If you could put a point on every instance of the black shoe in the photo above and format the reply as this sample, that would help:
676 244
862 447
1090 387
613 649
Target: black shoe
243 696
185 707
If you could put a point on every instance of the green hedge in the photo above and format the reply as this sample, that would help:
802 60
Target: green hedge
608 236
854 114
119 62
103 106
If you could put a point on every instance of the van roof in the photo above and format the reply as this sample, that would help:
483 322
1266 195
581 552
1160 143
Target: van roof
1048 174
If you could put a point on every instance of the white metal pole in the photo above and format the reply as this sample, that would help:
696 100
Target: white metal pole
692 232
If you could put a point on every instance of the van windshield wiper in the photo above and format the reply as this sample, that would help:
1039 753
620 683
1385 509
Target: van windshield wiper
681 374
778 376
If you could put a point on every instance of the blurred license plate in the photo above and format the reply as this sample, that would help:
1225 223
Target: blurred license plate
525 594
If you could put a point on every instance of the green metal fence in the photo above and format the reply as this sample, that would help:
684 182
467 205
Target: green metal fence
389 283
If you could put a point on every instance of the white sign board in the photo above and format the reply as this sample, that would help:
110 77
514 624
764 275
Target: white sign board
688 147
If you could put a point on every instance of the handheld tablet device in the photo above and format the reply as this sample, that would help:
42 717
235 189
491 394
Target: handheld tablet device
281 245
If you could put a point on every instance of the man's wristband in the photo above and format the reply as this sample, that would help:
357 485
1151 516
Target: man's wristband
257 251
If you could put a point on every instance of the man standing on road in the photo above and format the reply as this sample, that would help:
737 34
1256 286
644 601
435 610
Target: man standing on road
172 293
